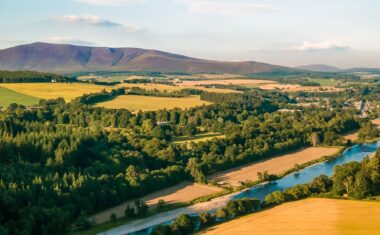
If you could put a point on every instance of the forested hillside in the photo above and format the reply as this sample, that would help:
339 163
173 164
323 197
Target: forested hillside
30 76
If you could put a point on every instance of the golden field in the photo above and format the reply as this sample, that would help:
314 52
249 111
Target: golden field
313 216
68 91
275 165
294 88
150 103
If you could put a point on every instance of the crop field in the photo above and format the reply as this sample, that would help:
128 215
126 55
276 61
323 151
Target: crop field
275 165
225 82
311 216
376 122
9 96
183 192
68 91
197 138
351 136
168 88
294 88
150 103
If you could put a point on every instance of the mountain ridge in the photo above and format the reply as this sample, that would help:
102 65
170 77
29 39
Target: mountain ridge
66 58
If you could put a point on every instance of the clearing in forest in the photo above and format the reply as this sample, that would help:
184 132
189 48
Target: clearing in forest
151 103
311 216
197 138
275 165
8 96
68 91
183 192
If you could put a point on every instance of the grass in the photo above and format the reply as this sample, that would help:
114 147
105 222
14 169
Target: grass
68 91
8 96
151 103
197 138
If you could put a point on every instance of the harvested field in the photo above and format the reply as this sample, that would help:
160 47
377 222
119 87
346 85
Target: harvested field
351 136
183 192
68 91
276 165
168 88
151 103
294 88
376 122
311 216
225 82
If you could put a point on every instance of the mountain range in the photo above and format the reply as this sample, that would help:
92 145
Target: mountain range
63 58
319 68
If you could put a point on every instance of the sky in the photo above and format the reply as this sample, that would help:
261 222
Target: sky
343 33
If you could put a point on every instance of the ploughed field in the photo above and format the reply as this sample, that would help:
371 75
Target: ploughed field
275 165
8 96
151 103
183 192
311 216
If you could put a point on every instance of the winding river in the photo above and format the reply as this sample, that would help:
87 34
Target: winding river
144 226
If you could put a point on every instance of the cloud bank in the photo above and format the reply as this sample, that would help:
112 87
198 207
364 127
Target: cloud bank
319 46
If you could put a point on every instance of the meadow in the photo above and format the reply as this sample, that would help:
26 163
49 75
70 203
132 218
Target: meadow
311 216
275 165
197 138
151 103
8 96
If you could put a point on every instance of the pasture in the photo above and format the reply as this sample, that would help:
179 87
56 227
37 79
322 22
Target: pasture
225 82
275 165
8 96
181 193
150 103
68 91
311 216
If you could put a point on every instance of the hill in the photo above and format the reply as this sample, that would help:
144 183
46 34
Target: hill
319 68
69 58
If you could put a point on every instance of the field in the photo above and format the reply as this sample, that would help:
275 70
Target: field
8 96
68 91
183 192
197 138
150 103
351 136
225 82
310 216
376 122
168 88
294 88
276 165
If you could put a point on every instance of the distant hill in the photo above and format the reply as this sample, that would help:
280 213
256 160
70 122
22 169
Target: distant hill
319 68
68 58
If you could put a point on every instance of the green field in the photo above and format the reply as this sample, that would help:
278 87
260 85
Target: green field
8 96
197 138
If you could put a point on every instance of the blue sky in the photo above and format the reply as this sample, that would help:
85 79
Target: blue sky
343 33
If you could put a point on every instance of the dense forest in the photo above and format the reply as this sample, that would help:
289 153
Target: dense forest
31 76
64 161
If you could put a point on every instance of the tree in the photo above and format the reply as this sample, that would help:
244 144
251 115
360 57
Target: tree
206 219
113 217
193 168
184 224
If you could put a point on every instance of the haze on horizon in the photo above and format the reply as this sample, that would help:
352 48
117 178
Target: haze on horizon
285 32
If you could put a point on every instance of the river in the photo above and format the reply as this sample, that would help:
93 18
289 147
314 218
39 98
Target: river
144 226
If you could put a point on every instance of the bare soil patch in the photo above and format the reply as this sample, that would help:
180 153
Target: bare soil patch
276 165
311 216
183 192
376 122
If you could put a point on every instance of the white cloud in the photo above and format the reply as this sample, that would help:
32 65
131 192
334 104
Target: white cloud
224 7
93 21
111 2
318 46
69 40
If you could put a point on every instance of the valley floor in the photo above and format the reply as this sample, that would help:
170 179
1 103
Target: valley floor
310 216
